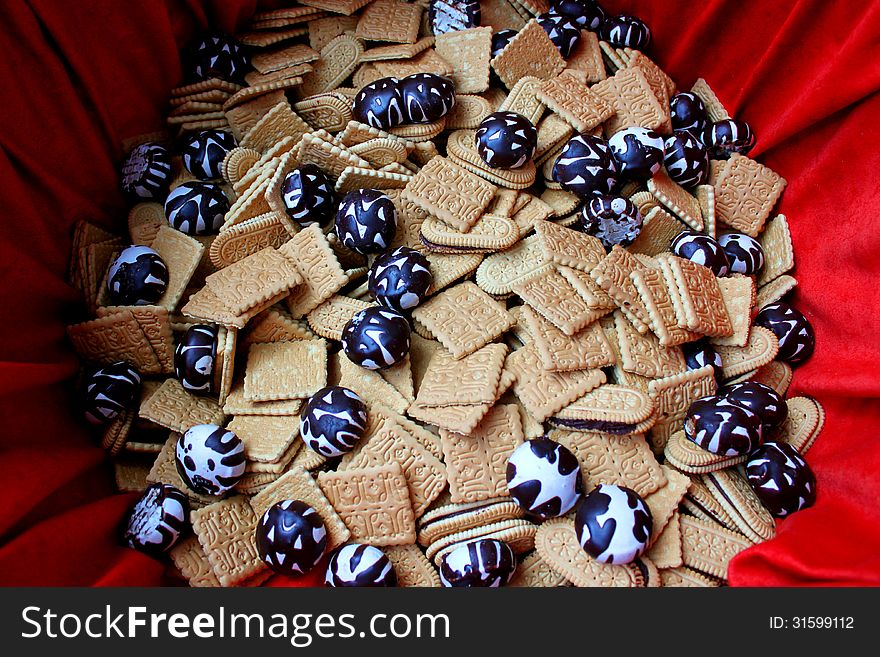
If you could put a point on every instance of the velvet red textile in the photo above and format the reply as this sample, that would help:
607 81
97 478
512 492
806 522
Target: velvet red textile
78 77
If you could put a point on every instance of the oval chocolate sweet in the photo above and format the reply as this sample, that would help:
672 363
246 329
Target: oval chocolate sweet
376 338
137 277
196 208
613 524
544 478
333 420
355 564
781 478
195 359
291 537
586 167
210 459
506 140
614 220
792 329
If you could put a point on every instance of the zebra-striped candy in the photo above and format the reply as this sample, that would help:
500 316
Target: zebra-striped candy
333 420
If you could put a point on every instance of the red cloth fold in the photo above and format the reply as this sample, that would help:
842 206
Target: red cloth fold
80 77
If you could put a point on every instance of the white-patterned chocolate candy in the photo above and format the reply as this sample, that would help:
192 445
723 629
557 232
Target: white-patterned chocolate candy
218 55
157 519
376 337
196 208
637 151
586 167
702 250
360 565
688 113
210 459
308 195
626 32
146 172
792 329
544 478
686 159
586 14
484 562
366 221
721 427
138 277
110 391
333 420
745 254
379 104
400 279
781 478
195 359
699 354
427 97
612 219
204 152
453 15
291 537
728 136
613 524
563 32
760 399
506 140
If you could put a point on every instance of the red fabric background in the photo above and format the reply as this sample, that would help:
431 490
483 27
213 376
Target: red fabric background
78 77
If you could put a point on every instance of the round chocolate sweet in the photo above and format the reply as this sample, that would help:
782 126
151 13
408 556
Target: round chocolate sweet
138 277
366 221
110 391
157 519
333 420
760 399
586 14
563 32
613 219
701 249
379 104
376 338
699 354
688 112
484 562
500 40
794 332
544 478
626 32
204 152
291 537
426 97
613 524
400 279
146 171
728 136
745 254
308 197
360 565
453 15
195 359
218 55
506 140
586 167
721 427
637 151
196 208
210 459
686 159
781 478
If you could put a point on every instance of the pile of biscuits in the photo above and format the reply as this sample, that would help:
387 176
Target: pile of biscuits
532 331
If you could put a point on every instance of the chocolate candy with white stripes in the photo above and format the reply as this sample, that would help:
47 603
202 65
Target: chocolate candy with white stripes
728 136
291 537
110 391
760 399
544 478
484 562
781 479
586 14
699 354
400 279
366 221
196 208
308 196
218 55
453 15
500 40
138 277
794 332
210 459
146 171
586 167
613 524
426 97
626 32
637 151
686 159
722 427
506 140
702 250
376 338
744 252
333 420
612 219
563 32
195 359
157 519
688 113
379 104
360 565
204 152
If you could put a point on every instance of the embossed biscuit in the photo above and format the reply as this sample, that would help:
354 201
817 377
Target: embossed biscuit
225 531
533 571
611 407
659 228
276 60
775 290
658 300
523 99
326 111
247 238
701 300
778 251
672 397
285 370
323 30
738 296
469 380
115 337
550 294
329 318
182 254
266 438
237 404
280 121
275 325
714 109
467 113
613 274
585 60
708 547
530 52
745 193
499 271
390 20
761 348
192 562
490 233
587 349
643 354
469 52
803 423
411 566
172 407
321 272
339 59
369 385
665 550
683 577
663 503
573 100
677 200
736 496
568 247
252 281
630 95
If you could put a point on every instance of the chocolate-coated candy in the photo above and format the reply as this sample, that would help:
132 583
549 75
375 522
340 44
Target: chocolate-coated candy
196 208
637 151
702 250
453 15
544 478
745 253
699 354
146 171
626 32
110 391
613 219
376 338
379 104
760 399
291 537
563 32
204 152
400 279
794 332
426 97
484 562
195 359
366 221
218 55
613 524
585 14
586 167
157 519
500 40
688 112
210 459
686 159
728 136
721 427
781 478
138 277
506 140
360 565
333 420
308 195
